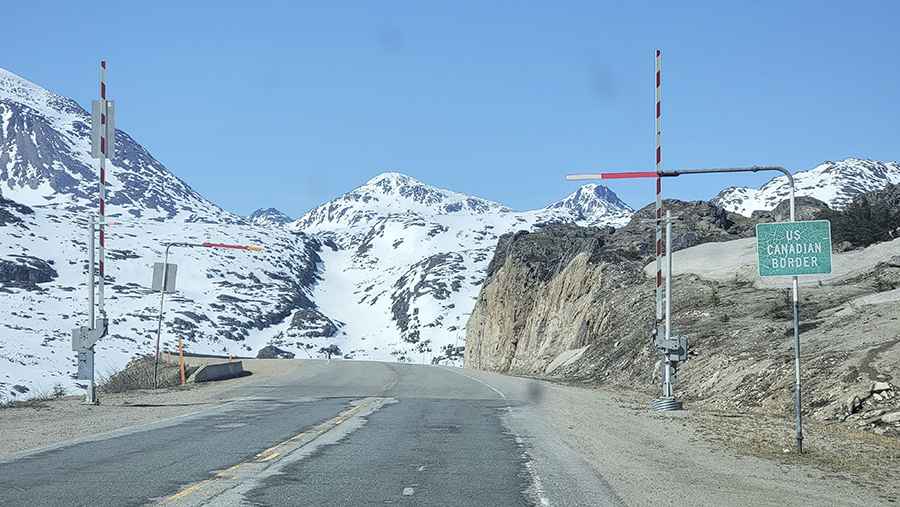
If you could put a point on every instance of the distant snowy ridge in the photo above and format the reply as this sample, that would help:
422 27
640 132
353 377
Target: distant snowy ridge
835 183
391 192
268 217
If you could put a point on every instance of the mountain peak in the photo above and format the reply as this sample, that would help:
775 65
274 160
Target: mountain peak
593 203
267 217
391 193
392 177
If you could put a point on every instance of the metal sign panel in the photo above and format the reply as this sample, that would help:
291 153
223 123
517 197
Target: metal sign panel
110 129
85 365
78 334
158 270
96 113
794 248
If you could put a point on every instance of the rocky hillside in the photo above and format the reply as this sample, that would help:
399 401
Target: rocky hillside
577 303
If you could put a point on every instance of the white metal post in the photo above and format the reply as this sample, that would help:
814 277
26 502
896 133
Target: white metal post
91 396
795 289
667 372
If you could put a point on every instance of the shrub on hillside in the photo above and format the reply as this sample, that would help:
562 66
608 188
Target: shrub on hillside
138 374
870 218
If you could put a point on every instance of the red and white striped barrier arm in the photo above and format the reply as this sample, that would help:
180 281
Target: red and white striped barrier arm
102 189
659 240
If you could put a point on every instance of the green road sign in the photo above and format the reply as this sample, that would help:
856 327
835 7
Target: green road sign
794 248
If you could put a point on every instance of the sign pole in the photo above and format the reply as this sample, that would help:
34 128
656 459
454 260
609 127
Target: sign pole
181 358
162 299
796 304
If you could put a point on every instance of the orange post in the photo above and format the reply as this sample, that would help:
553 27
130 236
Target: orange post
181 357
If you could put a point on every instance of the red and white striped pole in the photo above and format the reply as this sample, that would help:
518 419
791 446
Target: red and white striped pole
104 149
659 225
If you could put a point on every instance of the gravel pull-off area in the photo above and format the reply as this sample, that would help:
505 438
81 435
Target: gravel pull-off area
47 423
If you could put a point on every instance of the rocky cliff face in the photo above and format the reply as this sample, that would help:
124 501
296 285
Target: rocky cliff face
573 303
551 291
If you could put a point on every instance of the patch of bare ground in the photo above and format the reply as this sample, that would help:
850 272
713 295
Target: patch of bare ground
51 421
862 457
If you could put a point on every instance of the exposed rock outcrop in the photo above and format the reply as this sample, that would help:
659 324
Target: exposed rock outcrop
547 292
273 352
25 271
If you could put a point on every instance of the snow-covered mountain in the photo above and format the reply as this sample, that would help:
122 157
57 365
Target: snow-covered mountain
268 217
835 183
389 270
388 193
405 260
45 159
226 301
596 205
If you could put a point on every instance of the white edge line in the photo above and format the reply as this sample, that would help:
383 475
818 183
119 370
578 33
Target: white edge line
492 388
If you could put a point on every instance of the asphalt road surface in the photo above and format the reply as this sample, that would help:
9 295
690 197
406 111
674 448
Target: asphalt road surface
367 433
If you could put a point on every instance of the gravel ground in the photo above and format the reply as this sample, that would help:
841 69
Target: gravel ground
51 422
832 450
864 458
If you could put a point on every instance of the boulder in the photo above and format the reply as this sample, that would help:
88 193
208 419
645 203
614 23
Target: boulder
891 418
878 387
24 270
273 352
855 401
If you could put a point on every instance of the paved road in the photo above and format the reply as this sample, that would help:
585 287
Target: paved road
367 433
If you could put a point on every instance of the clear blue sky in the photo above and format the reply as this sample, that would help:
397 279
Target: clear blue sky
288 104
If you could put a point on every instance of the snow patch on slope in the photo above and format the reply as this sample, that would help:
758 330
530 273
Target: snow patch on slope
835 183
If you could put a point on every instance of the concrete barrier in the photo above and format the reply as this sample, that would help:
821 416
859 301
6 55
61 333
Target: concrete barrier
218 371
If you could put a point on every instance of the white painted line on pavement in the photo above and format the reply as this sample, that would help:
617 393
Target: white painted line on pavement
492 388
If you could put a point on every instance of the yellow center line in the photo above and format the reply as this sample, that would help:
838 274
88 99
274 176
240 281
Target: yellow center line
269 454
270 457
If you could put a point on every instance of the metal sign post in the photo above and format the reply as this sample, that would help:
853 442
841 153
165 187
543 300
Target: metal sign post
793 249
164 281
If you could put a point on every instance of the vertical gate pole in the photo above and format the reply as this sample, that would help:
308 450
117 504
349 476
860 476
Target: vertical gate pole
667 377
104 150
